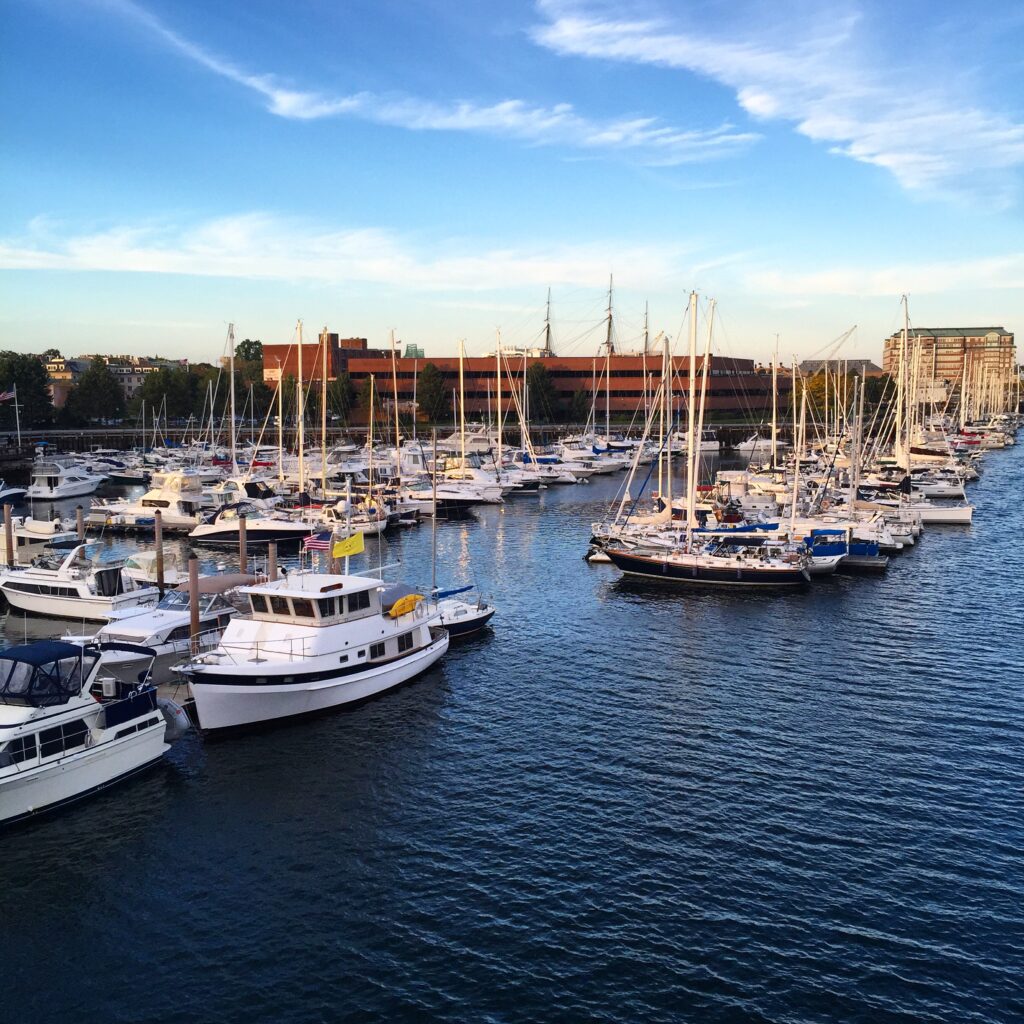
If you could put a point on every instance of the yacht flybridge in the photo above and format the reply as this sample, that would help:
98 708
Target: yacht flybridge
313 641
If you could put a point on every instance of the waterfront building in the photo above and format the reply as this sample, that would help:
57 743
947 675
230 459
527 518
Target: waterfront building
950 354
625 383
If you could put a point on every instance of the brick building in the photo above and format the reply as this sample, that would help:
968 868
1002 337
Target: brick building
948 354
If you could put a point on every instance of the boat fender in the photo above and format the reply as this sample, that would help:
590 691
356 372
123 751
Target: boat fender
176 718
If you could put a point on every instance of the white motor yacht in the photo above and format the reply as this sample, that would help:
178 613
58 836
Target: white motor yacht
74 588
154 640
66 732
313 641
177 495
221 529
54 479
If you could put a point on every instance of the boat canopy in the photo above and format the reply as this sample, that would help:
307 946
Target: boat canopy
43 674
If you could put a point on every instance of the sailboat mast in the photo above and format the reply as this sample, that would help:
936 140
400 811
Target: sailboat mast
497 369
691 482
301 419
433 519
775 405
547 326
609 345
280 424
667 422
394 384
231 384
323 410
462 401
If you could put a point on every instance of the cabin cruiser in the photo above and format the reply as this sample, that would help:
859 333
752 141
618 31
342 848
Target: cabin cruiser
67 731
222 528
177 495
163 632
313 641
73 588
54 479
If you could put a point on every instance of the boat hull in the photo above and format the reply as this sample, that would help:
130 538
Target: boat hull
253 535
704 575
227 705
48 787
89 609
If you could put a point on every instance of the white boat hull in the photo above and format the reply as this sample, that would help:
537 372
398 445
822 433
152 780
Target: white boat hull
45 787
90 609
224 706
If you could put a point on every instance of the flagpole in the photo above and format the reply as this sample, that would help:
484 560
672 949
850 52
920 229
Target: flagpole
17 415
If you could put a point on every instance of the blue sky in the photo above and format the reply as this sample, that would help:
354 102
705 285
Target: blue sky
435 167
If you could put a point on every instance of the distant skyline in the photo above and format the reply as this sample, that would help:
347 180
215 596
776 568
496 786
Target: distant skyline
435 168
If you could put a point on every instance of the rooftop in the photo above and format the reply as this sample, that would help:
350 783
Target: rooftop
952 332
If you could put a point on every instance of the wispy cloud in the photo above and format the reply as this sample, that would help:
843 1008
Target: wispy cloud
265 246
646 140
817 72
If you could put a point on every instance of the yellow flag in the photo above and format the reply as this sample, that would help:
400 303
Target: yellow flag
350 546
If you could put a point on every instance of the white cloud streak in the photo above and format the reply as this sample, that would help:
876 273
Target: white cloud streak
265 246
816 73
645 140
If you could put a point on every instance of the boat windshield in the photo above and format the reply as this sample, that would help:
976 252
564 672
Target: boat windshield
43 674
174 600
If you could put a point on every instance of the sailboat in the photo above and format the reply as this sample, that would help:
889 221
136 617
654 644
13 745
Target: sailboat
462 619
692 560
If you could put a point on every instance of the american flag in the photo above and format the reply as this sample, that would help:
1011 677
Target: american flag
8 395
318 541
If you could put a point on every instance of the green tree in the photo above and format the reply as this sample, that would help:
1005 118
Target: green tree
97 396
52 353
341 395
579 406
543 396
250 350
432 394
25 374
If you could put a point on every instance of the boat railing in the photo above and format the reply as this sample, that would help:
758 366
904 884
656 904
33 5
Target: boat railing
285 649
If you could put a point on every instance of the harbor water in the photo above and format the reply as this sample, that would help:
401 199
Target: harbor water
623 803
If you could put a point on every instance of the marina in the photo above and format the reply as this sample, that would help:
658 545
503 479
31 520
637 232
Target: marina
512 515
796 751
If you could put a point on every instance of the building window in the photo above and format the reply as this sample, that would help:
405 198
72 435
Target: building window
377 650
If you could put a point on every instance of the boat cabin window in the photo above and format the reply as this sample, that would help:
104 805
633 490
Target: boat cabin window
21 748
279 606
260 604
62 738
180 633
327 607
377 650
303 608
405 642
358 602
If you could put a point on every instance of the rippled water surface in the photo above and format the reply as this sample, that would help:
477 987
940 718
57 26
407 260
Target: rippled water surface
624 804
